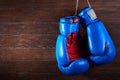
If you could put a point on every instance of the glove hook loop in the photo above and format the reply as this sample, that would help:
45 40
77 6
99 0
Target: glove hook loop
88 2
77 2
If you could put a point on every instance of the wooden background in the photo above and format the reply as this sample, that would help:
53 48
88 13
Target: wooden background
28 32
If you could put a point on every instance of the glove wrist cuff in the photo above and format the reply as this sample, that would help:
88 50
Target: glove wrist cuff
87 16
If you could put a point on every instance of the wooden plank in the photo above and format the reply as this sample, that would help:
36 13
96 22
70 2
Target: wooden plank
28 32
41 70
41 28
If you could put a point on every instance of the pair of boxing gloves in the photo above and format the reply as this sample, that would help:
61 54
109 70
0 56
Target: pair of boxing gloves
70 56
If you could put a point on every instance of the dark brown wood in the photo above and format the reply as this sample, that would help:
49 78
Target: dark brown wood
28 32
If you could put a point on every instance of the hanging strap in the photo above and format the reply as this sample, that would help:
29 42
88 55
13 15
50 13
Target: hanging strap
88 2
77 3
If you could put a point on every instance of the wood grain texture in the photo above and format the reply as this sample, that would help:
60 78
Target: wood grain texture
28 32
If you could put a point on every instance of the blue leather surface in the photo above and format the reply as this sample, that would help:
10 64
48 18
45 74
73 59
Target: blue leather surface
100 43
77 66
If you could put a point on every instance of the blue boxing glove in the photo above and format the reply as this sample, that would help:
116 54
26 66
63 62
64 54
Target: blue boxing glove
100 44
68 52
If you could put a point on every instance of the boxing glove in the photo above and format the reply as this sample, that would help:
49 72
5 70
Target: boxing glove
100 44
68 53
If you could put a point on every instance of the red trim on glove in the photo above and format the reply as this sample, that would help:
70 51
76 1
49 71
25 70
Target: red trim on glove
73 51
